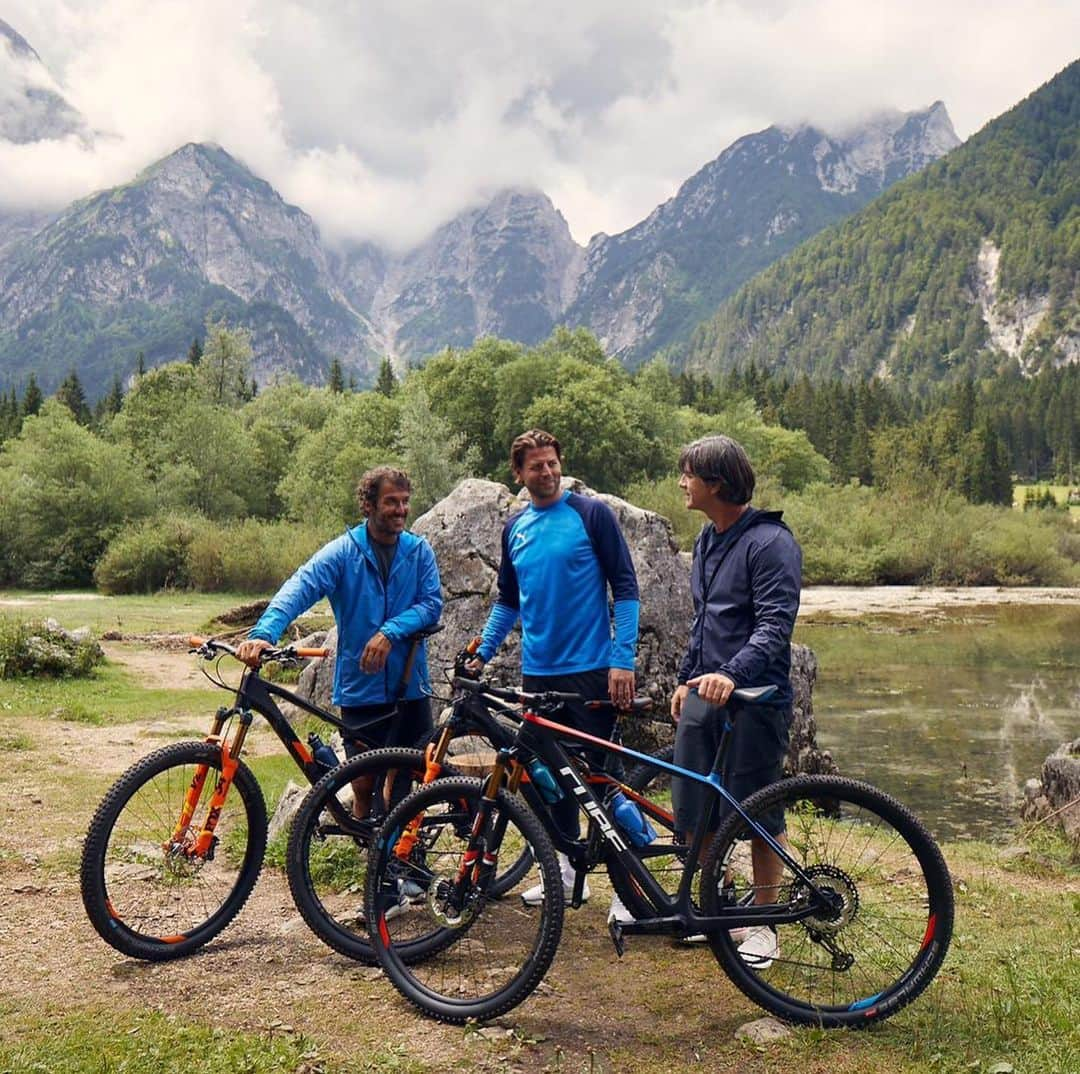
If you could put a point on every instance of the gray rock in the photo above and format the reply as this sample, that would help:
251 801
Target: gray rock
287 806
762 1031
1058 791
465 529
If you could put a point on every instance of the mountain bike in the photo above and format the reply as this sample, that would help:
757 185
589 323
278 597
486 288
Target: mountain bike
177 844
326 858
863 910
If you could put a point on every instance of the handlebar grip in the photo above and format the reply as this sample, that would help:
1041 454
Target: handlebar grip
473 646
311 654
195 642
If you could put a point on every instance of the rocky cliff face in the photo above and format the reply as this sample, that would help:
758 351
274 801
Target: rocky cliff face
141 266
505 269
647 288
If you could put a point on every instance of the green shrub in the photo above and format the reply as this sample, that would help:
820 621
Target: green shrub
250 556
853 535
35 648
151 556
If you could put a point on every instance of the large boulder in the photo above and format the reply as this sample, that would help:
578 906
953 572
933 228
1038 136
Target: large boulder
1057 794
465 529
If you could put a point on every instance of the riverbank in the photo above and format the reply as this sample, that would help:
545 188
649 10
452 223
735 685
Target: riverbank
915 599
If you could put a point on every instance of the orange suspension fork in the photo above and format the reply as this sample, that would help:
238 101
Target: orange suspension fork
433 759
230 754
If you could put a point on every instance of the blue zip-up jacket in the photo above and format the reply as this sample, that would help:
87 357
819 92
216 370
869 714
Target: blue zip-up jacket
557 563
346 571
745 583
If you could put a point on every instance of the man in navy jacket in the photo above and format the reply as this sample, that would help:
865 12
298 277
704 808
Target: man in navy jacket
383 586
745 583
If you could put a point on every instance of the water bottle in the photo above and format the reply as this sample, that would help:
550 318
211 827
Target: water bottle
544 781
631 820
322 752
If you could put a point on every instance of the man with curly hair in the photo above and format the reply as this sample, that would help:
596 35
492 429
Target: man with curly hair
383 586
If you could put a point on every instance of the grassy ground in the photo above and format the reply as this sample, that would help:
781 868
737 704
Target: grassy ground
266 998
1060 493
163 613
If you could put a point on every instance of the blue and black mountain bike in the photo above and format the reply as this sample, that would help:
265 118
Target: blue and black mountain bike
861 903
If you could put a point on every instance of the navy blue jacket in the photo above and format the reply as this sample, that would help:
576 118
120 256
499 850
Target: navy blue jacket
745 583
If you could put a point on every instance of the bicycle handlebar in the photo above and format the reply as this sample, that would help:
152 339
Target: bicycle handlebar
544 699
749 695
288 652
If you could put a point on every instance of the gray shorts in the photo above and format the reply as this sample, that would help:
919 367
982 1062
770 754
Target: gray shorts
755 758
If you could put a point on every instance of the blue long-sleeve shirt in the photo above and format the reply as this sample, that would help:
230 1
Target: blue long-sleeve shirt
745 584
557 564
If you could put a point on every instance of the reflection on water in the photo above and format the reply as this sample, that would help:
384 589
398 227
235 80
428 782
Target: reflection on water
949 711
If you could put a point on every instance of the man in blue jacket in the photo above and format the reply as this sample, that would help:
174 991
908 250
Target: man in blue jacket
559 558
745 583
383 586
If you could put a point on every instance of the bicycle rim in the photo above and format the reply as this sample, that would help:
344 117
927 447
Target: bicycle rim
495 951
327 855
145 890
888 926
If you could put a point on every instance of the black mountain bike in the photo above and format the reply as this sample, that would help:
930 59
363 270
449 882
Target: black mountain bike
327 855
863 909
177 844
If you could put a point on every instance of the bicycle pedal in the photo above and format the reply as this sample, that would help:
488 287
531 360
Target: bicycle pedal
616 933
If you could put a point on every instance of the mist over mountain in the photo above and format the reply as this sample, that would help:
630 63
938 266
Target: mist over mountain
31 107
138 268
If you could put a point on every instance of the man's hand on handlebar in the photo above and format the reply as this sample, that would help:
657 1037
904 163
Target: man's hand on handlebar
474 666
621 687
251 650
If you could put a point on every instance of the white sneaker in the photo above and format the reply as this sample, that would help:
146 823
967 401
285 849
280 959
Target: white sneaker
534 896
737 936
618 914
761 948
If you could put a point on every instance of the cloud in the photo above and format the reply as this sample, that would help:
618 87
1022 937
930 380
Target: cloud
384 119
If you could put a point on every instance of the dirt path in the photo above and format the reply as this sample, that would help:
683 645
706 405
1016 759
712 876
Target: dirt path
271 971
156 668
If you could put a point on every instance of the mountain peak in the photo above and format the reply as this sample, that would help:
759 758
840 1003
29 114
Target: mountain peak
31 108
17 43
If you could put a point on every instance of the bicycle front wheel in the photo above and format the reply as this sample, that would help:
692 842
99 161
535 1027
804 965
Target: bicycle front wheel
888 922
327 855
145 890
494 951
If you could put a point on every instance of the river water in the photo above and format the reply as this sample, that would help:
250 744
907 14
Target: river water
948 710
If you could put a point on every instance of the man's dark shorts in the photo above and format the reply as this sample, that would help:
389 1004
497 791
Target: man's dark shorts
409 726
755 758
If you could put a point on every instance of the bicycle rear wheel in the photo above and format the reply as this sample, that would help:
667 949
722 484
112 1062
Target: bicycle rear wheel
494 951
327 855
888 929
145 891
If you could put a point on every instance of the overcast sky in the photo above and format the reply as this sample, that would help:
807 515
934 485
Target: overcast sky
383 119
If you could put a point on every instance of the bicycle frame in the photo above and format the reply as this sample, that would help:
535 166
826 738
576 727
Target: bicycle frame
539 736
